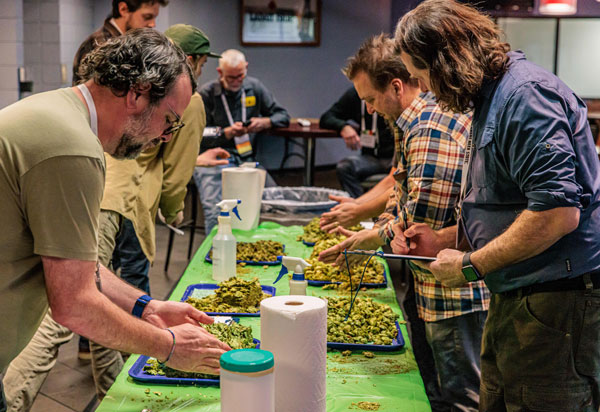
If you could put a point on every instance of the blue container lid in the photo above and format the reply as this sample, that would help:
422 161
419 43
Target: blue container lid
247 360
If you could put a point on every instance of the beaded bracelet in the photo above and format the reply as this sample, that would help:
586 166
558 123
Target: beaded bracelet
172 347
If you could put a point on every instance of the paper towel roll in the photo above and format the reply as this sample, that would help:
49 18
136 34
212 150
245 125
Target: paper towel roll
294 329
247 185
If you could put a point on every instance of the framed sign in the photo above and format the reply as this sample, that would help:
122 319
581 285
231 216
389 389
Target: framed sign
280 22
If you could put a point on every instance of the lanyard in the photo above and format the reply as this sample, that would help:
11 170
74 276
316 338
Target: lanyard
466 164
91 107
362 119
226 106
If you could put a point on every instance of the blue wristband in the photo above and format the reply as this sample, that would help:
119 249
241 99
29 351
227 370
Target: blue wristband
140 305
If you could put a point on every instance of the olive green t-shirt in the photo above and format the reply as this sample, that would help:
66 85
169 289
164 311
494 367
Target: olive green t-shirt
51 184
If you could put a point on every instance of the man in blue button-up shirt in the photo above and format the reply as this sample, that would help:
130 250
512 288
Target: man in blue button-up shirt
530 212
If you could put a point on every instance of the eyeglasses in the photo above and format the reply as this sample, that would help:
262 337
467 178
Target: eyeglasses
176 125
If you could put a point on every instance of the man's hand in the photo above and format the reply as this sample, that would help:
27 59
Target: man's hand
178 219
365 239
345 215
342 199
424 241
351 138
163 314
447 269
237 129
196 350
258 124
213 157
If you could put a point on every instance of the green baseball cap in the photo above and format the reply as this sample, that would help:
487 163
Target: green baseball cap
191 39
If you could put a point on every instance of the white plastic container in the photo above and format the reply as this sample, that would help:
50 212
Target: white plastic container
247 184
224 244
247 381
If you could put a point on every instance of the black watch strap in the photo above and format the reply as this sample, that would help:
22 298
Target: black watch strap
469 271
140 305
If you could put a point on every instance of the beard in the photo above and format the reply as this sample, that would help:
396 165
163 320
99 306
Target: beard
134 134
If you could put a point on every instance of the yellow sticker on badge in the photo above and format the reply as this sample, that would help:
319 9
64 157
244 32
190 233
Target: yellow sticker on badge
250 101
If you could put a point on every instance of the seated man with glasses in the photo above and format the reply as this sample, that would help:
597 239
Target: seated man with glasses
242 107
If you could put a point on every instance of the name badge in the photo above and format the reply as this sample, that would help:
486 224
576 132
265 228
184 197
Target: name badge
243 145
367 139
250 101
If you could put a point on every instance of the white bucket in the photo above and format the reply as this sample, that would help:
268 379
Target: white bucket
246 184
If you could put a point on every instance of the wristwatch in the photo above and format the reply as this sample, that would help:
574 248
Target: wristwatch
140 305
469 271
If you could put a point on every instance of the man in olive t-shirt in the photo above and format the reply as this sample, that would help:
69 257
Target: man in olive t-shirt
52 177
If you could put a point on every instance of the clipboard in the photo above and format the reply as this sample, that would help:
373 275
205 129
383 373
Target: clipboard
389 255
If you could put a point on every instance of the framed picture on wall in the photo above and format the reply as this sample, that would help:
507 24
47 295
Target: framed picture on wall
280 22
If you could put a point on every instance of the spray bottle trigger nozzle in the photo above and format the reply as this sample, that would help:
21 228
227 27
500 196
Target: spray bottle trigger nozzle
235 212
282 272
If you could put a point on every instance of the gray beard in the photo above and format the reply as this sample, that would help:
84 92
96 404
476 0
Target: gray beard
127 149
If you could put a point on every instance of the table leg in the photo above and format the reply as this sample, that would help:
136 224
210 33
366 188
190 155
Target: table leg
309 162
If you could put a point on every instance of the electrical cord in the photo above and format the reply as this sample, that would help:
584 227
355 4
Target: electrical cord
352 299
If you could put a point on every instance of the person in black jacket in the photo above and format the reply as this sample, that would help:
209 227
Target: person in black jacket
360 130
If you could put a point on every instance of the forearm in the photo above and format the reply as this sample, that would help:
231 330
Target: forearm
375 206
529 235
118 291
384 187
77 304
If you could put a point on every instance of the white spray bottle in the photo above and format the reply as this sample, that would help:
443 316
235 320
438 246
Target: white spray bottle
224 244
297 283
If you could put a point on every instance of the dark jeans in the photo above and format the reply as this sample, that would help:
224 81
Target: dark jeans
128 256
2 401
456 345
354 169
541 352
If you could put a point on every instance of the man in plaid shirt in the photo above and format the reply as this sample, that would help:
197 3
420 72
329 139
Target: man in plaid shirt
429 160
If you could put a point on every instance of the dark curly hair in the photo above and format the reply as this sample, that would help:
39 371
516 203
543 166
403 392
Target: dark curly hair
458 45
139 59
380 60
133 5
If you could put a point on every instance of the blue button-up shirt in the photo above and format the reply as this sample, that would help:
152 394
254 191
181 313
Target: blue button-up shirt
533 150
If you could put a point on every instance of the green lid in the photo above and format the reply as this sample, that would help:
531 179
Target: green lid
247 360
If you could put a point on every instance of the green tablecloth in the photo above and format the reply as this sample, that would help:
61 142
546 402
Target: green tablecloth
391 379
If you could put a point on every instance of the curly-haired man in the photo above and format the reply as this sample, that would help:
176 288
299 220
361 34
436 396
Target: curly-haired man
52 178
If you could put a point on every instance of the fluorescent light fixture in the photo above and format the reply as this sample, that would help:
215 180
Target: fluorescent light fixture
558 7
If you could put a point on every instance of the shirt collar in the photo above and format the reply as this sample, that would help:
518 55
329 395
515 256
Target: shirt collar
114 23
489 85
411 112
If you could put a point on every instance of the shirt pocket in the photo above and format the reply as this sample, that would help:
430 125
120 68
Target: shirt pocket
484 173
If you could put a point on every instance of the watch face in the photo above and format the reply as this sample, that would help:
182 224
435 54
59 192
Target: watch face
470 273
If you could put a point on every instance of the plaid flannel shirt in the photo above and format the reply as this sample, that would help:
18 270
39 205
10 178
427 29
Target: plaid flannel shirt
429 156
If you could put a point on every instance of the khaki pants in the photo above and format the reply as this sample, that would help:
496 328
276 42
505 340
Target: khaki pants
28 371
541 352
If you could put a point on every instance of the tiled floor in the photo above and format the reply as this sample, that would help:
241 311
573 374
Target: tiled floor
69 386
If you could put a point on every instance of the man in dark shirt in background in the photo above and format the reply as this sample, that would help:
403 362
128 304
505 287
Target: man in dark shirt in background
242 107
360 130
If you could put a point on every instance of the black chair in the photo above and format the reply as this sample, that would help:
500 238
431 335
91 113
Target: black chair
191 224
